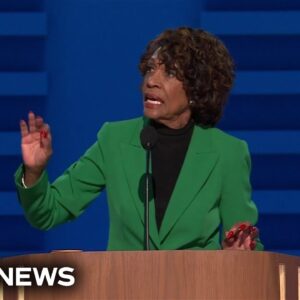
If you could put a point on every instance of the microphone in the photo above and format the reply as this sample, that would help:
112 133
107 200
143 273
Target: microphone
148 139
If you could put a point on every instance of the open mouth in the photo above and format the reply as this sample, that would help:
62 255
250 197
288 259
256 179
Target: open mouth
152 99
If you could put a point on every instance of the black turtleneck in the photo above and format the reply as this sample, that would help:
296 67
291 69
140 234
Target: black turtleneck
167 160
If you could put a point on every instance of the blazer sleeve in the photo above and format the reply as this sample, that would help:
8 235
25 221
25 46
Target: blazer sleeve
47 205
236 204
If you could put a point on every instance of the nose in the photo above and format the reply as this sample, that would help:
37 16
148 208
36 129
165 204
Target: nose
153 79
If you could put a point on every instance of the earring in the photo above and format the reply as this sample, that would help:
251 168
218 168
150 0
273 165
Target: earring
191 102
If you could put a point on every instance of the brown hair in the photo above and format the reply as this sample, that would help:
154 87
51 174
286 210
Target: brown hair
202 63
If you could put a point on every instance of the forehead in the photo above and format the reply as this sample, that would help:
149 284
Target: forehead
155 61
158 63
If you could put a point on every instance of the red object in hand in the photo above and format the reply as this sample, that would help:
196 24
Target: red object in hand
43 134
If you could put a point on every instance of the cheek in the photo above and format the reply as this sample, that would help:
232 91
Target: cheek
181 98
183 93
178 91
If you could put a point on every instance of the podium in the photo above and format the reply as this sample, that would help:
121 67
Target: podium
186 274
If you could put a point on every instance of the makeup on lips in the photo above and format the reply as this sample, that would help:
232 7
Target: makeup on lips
152 101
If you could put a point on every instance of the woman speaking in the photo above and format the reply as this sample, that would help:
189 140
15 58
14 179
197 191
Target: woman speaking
201 191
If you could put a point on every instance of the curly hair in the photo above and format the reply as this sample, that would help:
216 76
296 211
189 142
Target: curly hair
202 63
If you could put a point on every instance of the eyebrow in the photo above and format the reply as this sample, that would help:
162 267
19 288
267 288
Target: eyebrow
150 61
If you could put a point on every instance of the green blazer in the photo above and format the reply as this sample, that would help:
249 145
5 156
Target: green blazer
212 189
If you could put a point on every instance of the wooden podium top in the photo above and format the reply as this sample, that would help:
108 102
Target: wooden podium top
167 275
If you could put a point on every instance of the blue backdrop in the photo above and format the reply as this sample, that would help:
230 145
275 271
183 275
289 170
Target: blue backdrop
75 63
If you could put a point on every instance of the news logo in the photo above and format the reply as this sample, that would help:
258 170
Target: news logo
34 276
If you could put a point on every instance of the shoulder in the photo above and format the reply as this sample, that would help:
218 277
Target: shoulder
124 124
226 144
112 134
223 139
119 128
233 153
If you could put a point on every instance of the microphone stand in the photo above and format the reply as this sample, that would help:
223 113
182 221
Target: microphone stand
147 198
148 138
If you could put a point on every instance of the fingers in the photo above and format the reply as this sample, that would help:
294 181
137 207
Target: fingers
37 129
252 244
23 128
35 124
254 232
248 244
236 231
241 236
31 122
231 239
45 136
39 123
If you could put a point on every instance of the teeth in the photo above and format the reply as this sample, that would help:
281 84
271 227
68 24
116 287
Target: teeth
153 101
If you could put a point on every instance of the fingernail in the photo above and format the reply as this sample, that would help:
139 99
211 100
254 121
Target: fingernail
242 227
229 235
43 134
252 228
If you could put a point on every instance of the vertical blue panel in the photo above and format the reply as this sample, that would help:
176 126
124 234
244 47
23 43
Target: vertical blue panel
23 81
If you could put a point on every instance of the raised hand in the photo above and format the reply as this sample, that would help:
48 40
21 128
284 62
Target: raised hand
241 237
36 147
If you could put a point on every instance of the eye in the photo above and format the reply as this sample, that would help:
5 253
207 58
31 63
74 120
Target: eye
171 73
149 69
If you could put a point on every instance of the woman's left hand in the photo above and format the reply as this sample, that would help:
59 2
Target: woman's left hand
241 237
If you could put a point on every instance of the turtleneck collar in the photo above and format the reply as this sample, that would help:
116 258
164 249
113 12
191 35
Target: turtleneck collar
164 130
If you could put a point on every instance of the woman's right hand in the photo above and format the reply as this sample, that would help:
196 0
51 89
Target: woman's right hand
36 147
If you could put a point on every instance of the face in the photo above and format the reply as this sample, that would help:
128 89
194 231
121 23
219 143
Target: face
165 100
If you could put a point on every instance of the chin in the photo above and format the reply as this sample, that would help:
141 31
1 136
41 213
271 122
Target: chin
150 114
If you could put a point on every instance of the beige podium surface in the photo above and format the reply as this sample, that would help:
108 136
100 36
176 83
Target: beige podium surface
164 275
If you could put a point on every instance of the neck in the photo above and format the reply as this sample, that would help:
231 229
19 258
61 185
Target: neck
176 123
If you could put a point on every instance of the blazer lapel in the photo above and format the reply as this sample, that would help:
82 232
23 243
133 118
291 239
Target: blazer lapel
198 164
134 163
